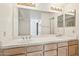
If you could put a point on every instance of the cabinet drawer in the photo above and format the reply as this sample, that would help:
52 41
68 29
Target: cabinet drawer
1 52
14 51
73 42
50 46
51 53
34 48
62 44
40 53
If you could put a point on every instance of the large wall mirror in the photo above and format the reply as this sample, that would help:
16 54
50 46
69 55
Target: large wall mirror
70 18
34 22
67 19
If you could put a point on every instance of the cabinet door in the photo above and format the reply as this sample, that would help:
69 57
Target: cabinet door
34 48
1 52
50 46
14 51
50 53
73 50
63 51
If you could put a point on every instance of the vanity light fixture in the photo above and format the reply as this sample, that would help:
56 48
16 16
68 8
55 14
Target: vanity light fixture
72 11
55 8
27 4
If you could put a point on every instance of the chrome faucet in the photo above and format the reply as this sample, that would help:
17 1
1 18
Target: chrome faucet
23 38
28 37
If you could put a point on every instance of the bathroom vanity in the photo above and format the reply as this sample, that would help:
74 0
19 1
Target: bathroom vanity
40 47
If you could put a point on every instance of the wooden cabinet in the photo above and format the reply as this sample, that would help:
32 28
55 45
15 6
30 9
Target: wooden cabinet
63 49
1 52
34 48
73 42
50 53
73 48
62 44
50 46
14 51
50 49
39 53
69 48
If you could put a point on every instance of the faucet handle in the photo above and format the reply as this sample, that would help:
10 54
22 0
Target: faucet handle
22 37
73 31
29 37
26 37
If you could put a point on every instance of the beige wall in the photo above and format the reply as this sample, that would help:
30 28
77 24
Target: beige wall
6 21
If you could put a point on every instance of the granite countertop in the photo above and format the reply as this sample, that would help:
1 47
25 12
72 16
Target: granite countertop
34 41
